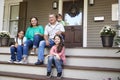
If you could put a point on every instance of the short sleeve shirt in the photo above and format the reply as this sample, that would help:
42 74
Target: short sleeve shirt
19 41
51 30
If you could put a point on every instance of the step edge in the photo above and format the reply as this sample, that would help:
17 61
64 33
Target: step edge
72 56
70 67
30 76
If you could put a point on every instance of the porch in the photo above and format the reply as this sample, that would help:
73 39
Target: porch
85 35
81 64
90 61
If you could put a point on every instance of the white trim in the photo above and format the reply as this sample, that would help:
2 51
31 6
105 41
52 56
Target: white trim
60 8
119 12
1 13
85 23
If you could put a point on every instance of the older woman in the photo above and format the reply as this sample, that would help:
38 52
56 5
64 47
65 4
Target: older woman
34 35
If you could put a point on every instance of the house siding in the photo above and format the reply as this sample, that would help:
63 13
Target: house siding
100 8
39 9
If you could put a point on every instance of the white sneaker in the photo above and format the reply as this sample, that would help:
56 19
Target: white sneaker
32 52
11 61
18 62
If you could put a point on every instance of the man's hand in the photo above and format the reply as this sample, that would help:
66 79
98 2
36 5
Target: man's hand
58 33
47 43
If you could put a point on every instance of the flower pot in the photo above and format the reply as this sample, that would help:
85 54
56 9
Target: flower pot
107 40
4 41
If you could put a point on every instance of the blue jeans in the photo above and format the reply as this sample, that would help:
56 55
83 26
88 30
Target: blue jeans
53 60
16 53
28 44
41 48
31 44
37 38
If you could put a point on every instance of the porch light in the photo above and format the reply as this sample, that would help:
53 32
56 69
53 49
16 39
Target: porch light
91 2
55 5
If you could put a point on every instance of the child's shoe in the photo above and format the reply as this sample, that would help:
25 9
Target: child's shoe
49 75
18 62
11 61
24 61
59 75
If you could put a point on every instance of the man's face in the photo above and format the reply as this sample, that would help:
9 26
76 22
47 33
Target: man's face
52 19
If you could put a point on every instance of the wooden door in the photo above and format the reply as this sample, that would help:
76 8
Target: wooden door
74 33
73 36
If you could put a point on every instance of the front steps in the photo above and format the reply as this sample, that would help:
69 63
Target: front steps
82 63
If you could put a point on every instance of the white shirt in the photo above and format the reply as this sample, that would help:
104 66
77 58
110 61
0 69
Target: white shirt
20 41
51 30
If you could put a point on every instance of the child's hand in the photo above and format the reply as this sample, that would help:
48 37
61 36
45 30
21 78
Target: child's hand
57 56
16 45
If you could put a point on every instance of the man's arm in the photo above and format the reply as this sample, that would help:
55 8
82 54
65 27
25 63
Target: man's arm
46 40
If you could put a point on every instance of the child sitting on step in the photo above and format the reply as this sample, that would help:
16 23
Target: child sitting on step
16 49
56 57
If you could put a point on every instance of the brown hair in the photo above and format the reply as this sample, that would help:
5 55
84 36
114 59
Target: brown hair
31 19
61 44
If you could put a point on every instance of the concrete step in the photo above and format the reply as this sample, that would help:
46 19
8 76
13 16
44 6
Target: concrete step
23 76
91 61
80 51
77 72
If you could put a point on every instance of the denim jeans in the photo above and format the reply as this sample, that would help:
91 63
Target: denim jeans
31 44
53 60
41 48
36 40
16 53
28 44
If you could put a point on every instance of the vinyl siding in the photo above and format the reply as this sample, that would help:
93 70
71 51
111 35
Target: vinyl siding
39 9
100 8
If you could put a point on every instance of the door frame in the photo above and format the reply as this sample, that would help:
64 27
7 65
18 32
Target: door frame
85 18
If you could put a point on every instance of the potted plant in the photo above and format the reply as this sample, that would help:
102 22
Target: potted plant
4 38
107 34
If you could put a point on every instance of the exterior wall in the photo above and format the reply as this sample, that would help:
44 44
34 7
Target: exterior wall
40 9
100 8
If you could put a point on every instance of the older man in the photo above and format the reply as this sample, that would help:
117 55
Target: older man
51 29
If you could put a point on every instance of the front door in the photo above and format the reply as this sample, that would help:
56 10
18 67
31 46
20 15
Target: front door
73 17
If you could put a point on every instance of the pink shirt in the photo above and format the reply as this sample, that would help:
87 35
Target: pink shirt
61 54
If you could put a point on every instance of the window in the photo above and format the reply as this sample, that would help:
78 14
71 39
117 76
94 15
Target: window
14 13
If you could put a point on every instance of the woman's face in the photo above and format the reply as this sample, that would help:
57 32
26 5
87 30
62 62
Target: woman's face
57 40
34 21
21 34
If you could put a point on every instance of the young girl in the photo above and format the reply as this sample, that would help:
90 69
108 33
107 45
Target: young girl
56 57
17 48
